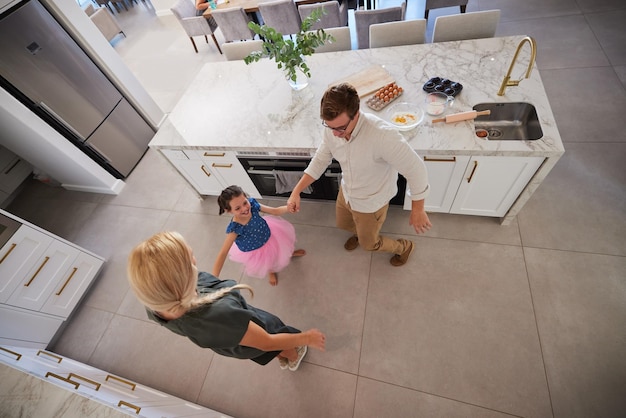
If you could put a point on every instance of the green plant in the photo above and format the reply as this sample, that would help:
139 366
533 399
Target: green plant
289 54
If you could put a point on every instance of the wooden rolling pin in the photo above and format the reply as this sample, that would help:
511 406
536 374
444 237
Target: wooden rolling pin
457 117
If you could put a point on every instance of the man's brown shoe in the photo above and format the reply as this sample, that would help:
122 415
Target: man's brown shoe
401 259
351 243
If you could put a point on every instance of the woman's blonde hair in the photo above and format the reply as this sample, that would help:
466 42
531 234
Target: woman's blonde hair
163 275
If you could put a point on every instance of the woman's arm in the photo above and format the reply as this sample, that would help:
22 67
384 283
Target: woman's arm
221 257
280 210
257 337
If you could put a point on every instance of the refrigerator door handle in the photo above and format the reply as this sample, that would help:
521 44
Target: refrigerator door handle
59 119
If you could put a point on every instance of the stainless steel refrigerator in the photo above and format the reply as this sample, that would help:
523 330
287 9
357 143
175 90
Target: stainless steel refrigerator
47 70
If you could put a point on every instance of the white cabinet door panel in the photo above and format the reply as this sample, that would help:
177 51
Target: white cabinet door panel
17 257
44 276
73 285
492 184
444 176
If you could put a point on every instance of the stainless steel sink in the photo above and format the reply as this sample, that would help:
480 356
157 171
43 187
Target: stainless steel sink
508 121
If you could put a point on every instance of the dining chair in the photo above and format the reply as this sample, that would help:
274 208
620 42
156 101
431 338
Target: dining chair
402 32
335 14
472 25
185 12
239 50
342 41
364 18
281 15
438 4
233 22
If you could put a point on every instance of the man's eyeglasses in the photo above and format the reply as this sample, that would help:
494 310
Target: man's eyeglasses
340 129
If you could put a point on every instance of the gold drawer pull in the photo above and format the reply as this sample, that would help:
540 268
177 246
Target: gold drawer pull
222 165
205 172
131 384
217 154
67 281
440 160
18 355
469 179
37 272
56 376
96 384
54 356
130 405
8 252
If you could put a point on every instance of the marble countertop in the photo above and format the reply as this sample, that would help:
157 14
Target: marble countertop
239 107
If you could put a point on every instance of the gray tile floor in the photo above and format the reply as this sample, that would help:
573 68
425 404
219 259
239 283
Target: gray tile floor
484 321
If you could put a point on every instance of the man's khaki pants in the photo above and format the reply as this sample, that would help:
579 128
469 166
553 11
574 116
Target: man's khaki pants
366 226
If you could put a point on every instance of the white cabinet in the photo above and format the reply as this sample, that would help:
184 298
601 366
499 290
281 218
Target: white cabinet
13 171
98 385
209 172
42 279
478 185
491 184
444 175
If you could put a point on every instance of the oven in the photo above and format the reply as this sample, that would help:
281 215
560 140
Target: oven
261 167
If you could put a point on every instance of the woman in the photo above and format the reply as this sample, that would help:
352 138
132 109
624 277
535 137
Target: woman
210 312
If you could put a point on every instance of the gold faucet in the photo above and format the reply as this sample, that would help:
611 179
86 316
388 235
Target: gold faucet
507 82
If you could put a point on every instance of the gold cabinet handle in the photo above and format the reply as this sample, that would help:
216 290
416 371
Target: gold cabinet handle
18 355
469 179
205 172
56 376
130 405
54 356
131 384
37 272
222 165
67 281
217 154
440 160
8 252
96 384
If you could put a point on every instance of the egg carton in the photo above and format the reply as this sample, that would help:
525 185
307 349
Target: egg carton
384 96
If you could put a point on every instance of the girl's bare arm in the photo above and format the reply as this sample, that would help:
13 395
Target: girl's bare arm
257 337
221 257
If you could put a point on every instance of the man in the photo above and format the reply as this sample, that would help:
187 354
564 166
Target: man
371 154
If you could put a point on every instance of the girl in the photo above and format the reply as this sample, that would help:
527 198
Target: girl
210 312
263 244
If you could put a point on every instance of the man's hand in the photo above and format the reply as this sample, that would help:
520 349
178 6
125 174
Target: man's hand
419 218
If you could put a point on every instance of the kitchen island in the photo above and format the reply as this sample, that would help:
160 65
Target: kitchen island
232 108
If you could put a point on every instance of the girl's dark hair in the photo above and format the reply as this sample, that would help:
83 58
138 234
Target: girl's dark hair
223 200
338 99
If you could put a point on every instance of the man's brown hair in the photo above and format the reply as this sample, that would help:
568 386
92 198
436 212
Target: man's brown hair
338 99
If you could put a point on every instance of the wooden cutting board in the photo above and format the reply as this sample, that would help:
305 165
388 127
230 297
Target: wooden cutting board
368 80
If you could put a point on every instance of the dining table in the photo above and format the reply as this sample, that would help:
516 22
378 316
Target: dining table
250 6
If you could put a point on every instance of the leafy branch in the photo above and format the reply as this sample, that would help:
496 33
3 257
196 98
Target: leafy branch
289 54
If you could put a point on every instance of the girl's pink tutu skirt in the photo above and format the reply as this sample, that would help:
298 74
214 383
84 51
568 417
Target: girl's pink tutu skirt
274 255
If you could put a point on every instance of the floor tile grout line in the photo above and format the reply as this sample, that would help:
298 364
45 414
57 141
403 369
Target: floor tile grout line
543 360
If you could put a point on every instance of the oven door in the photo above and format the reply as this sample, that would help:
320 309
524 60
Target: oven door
262 173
